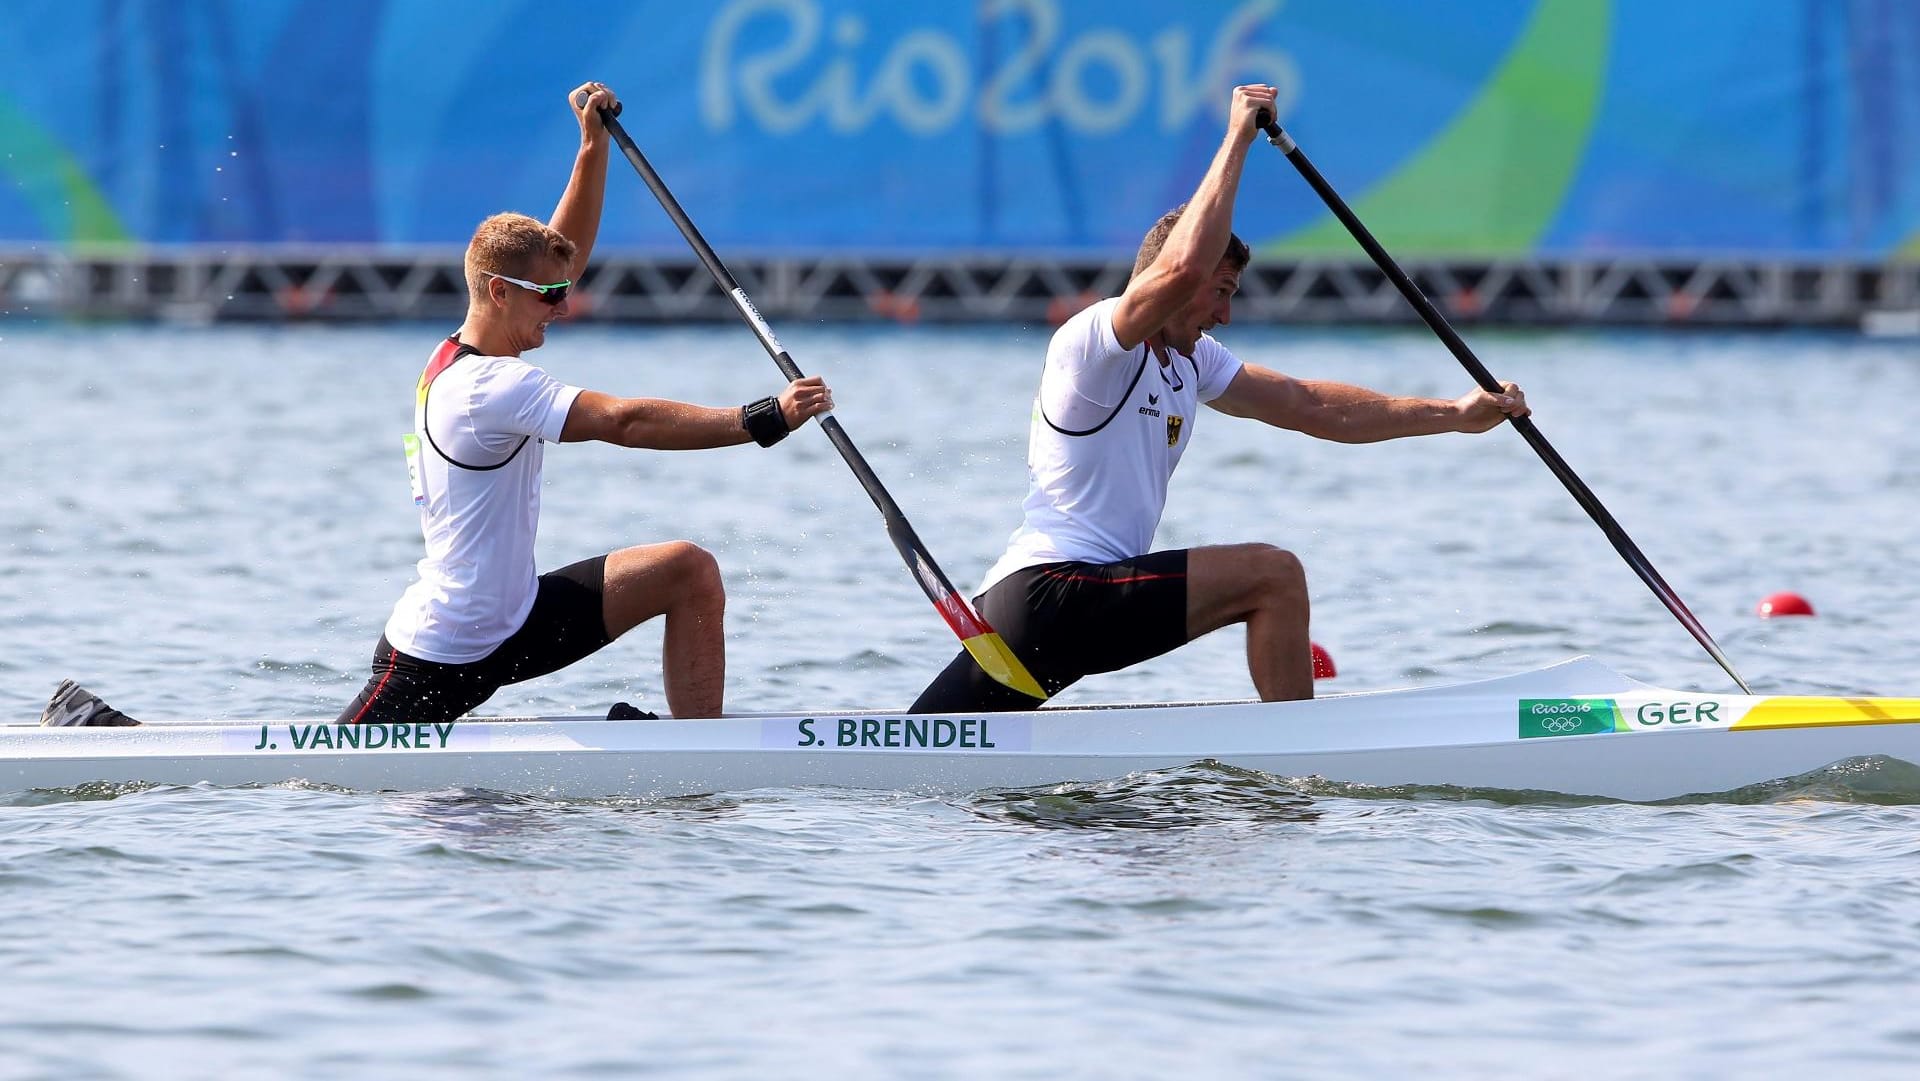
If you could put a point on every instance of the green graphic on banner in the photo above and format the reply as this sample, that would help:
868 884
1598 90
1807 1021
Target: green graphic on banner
67 203
1494 180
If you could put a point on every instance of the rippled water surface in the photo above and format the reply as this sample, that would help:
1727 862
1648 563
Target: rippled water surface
214 524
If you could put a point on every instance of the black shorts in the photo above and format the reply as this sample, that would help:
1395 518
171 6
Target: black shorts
568 622
1068 620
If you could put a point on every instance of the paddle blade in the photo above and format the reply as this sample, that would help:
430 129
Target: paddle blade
994 657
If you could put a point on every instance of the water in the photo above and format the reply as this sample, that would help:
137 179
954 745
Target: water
214 523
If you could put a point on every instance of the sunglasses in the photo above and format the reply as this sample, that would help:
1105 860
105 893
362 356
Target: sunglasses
551 294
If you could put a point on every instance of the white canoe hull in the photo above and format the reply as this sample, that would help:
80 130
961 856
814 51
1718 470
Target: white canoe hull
1577 728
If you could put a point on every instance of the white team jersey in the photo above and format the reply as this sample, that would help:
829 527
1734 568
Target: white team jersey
1109 426
477 582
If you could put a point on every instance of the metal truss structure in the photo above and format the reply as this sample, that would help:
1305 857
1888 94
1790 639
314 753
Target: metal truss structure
200 285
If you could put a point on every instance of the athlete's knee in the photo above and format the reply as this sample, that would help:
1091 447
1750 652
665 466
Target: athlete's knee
667 575
694 561
696 573
1277 573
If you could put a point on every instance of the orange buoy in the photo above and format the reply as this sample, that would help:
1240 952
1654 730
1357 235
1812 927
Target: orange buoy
1322 662
294 300
1784 604
900 309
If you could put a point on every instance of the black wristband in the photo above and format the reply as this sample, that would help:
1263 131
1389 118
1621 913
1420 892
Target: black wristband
764 421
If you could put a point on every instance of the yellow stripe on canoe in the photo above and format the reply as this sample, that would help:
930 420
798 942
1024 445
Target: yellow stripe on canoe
1799 712
996 659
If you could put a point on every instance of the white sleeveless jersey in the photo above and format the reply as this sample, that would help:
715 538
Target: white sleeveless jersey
492 416
1109 427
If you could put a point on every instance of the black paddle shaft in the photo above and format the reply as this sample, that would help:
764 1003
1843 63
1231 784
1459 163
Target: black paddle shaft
1524 425
933 581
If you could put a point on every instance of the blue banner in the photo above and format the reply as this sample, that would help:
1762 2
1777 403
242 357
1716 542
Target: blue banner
1475 127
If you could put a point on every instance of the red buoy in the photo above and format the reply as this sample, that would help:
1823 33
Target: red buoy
1322 662
1784 604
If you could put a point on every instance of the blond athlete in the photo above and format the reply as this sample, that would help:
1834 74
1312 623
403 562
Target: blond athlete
478 616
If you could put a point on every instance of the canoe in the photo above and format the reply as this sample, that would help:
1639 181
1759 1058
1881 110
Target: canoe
1578 728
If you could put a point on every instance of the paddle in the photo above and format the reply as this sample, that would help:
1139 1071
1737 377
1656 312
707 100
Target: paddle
1621 542
981 640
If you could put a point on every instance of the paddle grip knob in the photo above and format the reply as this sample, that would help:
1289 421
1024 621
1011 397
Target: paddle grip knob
1264 121
580 102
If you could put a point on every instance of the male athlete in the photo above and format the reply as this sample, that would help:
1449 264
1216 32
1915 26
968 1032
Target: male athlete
1078 590
478 617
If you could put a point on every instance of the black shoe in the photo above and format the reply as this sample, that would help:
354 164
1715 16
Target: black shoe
621 711
75 706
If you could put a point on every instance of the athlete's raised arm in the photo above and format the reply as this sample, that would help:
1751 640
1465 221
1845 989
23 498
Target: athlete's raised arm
578 216
1193 250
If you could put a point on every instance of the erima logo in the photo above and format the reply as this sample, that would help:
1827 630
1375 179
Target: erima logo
1153 399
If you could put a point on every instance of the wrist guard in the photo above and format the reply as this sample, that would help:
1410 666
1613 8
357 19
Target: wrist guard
764 421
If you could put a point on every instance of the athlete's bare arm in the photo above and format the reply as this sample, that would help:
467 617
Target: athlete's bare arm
1198 241
1349 414
578 216
659 424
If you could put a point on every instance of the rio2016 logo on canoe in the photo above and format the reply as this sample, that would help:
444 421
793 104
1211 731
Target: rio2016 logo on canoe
1567 717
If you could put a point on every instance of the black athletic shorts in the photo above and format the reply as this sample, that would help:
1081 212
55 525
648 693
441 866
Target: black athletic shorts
1068 620
568 622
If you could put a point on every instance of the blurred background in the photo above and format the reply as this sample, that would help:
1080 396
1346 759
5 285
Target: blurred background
1531 161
